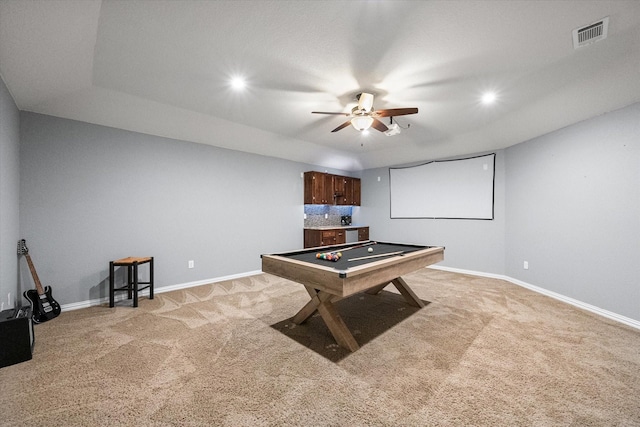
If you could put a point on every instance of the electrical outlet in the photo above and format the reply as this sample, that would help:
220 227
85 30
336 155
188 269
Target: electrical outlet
191 264
526 265
326 216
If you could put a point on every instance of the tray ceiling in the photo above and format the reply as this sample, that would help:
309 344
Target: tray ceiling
164 68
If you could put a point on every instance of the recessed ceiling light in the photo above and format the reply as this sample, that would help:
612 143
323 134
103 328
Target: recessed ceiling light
238 83
488 98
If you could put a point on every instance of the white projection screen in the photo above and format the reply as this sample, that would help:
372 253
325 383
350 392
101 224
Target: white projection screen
447 189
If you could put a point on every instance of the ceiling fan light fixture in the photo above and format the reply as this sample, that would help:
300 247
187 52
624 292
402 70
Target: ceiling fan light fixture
362 122
365 102
364 117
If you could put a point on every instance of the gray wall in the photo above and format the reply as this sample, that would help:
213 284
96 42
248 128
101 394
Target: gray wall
476 245
567 202
9 192
90 194
573 211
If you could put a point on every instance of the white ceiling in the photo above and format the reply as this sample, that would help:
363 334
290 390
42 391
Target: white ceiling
163 68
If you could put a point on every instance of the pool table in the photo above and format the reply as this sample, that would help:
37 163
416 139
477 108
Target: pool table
358 270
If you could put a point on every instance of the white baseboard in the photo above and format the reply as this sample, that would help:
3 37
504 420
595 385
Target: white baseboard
597 310
121 296
592 308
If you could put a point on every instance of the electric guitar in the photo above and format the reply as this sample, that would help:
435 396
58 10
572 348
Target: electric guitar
43 306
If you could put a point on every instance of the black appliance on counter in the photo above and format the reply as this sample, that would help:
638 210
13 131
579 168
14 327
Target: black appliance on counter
345 220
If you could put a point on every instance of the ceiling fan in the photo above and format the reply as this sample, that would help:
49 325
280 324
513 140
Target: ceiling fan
363 116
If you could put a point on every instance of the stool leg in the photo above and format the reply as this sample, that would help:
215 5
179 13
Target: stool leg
111 291
135 284
129 280
151 279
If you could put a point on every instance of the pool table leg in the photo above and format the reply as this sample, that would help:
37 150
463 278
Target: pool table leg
311 307
408 294
306 311
376 289
335 323
323 303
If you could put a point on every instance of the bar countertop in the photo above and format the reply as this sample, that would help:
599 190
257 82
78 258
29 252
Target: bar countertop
336 227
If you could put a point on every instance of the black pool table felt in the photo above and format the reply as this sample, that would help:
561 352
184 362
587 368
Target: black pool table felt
343 264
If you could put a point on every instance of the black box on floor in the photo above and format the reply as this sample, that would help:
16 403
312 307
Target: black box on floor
16 336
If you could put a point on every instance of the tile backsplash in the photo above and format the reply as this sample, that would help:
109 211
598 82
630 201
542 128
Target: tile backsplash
315 215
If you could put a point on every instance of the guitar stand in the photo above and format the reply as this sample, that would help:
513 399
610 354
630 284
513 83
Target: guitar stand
133 285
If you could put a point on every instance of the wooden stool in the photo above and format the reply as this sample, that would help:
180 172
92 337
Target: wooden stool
132 288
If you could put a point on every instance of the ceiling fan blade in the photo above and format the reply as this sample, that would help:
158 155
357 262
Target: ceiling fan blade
378 125
337 114
395 112
342 126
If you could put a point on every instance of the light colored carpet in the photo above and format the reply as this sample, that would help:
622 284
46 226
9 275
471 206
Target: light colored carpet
482 352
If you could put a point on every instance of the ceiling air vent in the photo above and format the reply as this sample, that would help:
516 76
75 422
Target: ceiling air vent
591 33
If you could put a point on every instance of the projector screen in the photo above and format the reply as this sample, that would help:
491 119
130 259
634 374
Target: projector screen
455 189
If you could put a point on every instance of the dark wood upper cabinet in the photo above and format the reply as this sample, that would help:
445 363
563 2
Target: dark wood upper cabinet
356 191
339 190
326 189
348 191
318 188
352 191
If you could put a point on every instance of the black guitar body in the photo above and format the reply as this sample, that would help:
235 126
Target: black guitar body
43 307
